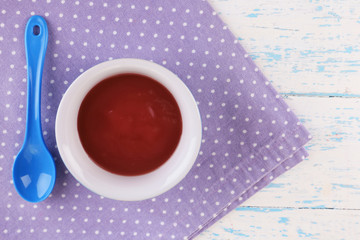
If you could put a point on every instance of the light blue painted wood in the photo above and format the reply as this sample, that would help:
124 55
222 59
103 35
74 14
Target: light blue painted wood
310 51
302 46
273 223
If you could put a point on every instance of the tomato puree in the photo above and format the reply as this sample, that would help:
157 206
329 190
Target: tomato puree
129 124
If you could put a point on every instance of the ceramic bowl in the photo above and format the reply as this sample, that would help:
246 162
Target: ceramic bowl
127 188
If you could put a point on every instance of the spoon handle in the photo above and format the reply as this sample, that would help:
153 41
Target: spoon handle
36 38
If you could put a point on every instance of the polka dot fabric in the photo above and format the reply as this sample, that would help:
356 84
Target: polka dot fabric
250 136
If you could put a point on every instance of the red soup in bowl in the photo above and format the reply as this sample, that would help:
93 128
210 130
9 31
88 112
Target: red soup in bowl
128 129
129 124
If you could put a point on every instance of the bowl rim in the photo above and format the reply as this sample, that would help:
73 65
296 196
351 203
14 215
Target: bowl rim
110 185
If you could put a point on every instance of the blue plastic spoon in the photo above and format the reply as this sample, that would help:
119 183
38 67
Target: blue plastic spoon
34 169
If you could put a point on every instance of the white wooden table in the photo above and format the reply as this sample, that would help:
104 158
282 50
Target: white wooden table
310 50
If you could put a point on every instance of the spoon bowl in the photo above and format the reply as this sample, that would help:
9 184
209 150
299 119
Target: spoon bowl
34 172
34 169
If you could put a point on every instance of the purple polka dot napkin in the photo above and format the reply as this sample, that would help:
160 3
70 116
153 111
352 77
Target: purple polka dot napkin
250 136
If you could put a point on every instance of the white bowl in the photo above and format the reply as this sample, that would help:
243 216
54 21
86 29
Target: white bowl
127 188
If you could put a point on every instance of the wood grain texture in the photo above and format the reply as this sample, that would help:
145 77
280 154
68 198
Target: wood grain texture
330 177
302 46
310 50
274 223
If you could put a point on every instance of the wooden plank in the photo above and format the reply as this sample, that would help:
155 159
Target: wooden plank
319 198
306 48
330 177
302 46
333 122
276 224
